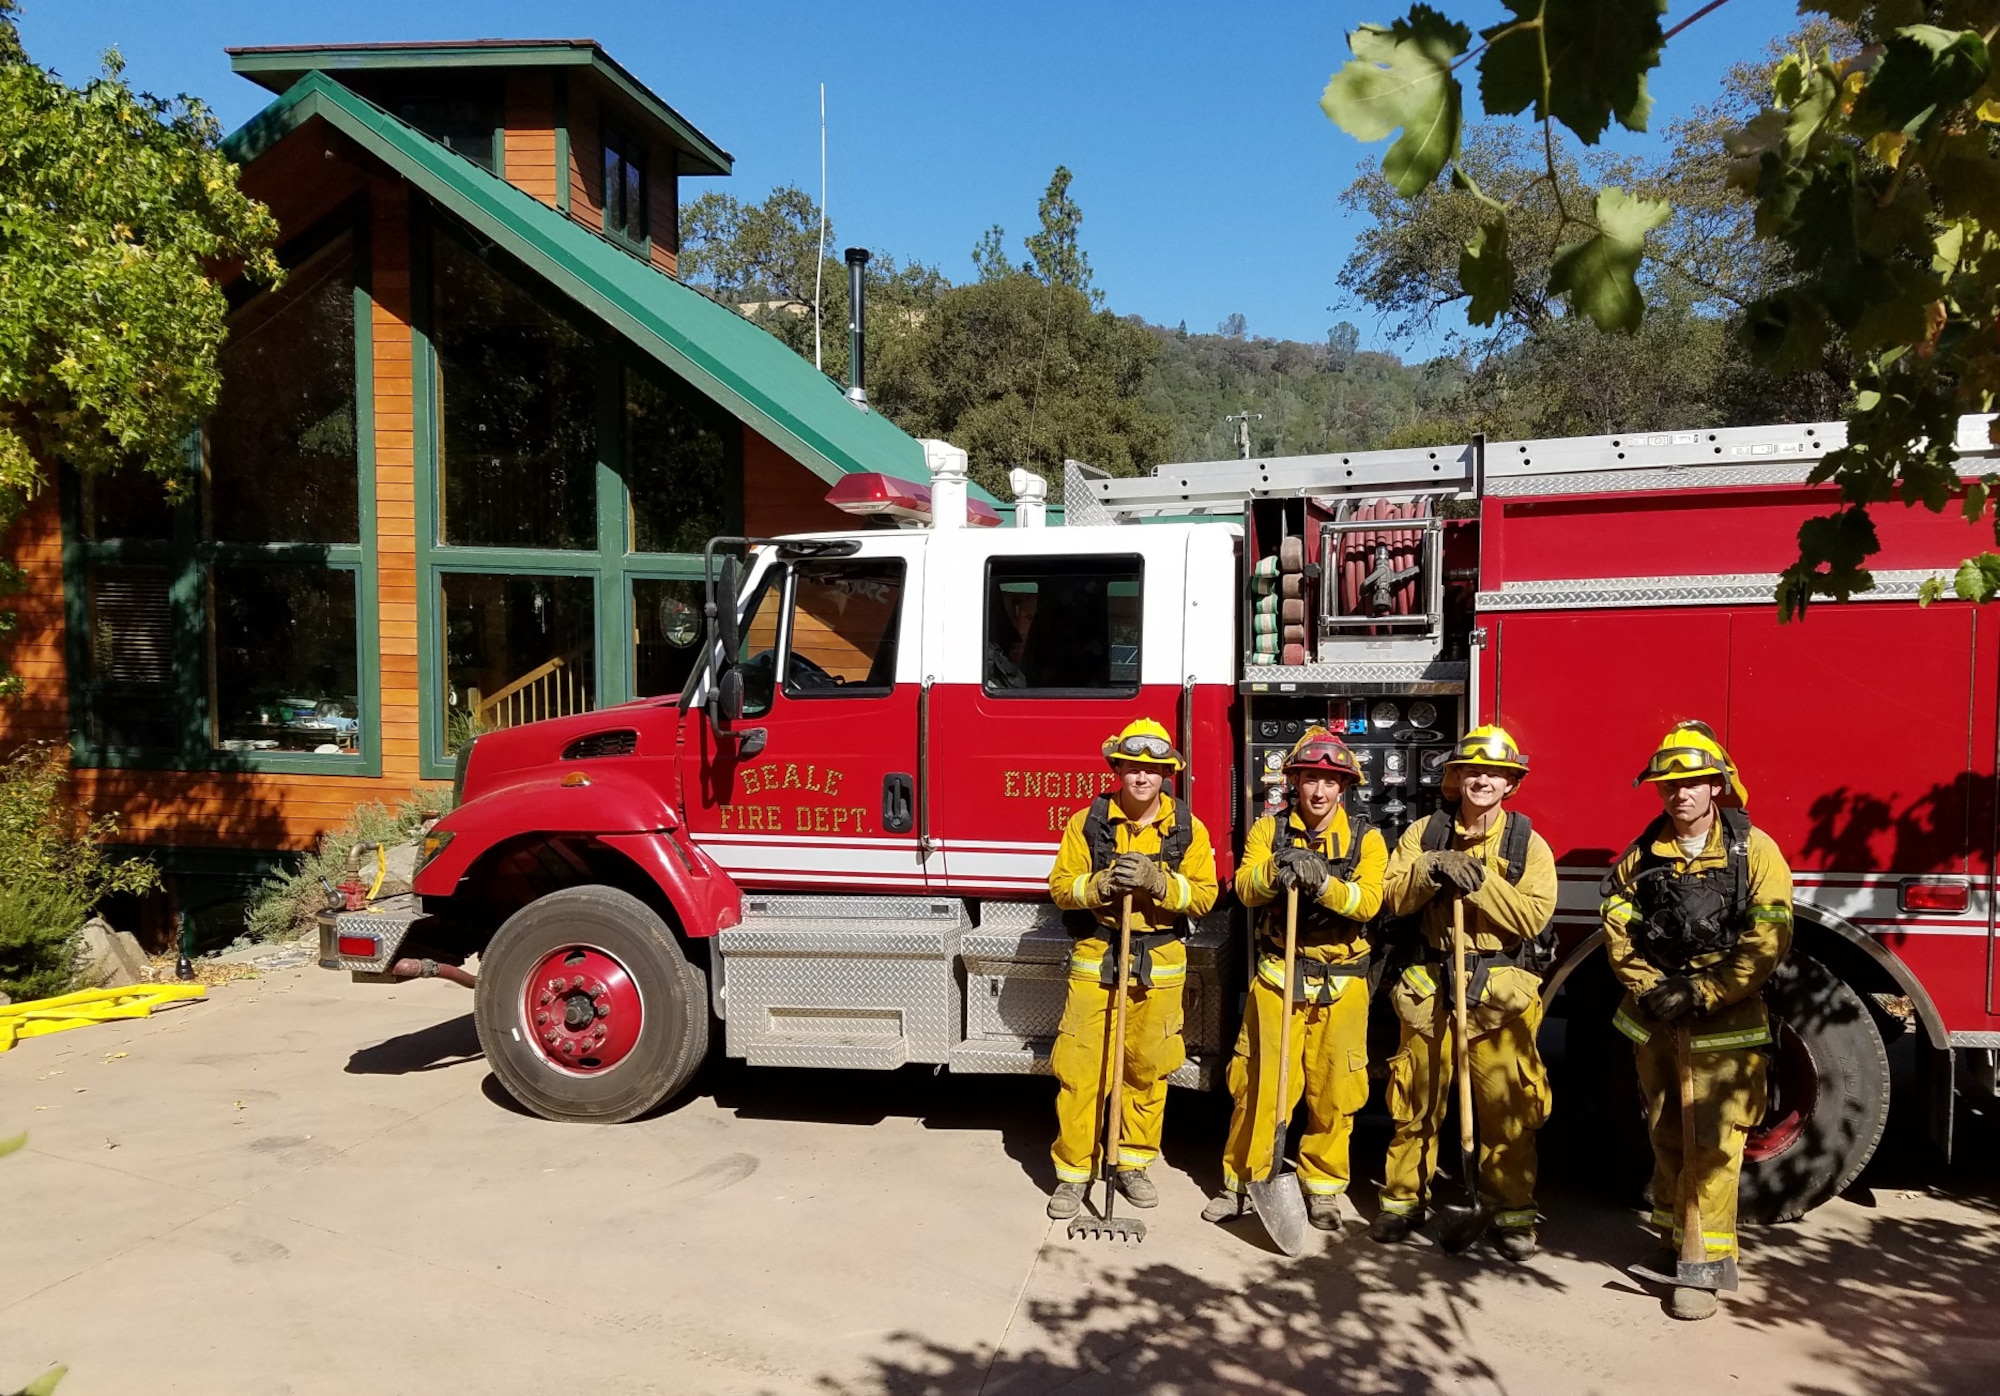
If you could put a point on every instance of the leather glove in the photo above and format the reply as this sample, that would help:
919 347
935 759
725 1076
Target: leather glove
1670 999
1102 889
1460 871
1301 868
1135 872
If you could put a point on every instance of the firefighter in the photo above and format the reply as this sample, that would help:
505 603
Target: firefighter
1335 863
1697 915
1137 840
1493 861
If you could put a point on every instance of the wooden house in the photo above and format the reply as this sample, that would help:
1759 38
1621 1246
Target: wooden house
461 473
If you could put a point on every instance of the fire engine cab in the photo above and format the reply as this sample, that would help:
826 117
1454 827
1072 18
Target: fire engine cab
833 846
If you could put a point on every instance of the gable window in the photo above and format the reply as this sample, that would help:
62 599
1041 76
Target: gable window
1063 625
624 187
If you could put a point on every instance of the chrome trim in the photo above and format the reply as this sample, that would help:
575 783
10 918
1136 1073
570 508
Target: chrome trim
1718 589
1975 1039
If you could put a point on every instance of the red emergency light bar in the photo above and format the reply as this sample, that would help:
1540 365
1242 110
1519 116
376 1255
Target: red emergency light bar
872 493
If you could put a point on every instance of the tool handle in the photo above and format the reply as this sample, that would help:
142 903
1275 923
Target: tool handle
1461 1038
1694 1245
1114 1124
1284 1122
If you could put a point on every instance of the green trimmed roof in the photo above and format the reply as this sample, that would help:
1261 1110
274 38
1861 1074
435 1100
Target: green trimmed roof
278 67
748 372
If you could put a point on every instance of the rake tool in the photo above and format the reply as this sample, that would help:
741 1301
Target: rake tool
1276 1197
1111 1133
1460 1227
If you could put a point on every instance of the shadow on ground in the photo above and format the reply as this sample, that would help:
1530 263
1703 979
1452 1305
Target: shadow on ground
453 1042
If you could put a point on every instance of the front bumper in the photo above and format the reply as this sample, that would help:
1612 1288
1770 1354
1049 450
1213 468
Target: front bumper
366 943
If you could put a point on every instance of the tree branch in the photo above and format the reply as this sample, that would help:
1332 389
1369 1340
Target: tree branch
1710 8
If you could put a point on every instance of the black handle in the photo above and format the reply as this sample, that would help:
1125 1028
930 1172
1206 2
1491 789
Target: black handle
898 794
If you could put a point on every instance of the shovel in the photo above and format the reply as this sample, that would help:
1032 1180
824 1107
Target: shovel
1460 1227
1279 1203
1111 1136
1692 1268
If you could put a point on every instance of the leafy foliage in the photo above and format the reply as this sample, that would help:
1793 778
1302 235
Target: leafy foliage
289 899
116 209
53 872
1872 179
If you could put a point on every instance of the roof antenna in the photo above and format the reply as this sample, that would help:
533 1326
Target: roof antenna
819 259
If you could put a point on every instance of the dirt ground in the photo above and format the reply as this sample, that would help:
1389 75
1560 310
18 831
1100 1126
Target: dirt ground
304 1185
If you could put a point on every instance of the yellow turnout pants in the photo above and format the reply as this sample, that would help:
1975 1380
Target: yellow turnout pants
1329 1068
1154 1049
1729 1096
1510 1101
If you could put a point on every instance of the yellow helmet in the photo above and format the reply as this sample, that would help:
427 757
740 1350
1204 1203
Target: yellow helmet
1691 750
1490 747
1145 742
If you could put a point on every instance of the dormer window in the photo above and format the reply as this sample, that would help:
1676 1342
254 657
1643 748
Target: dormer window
624 187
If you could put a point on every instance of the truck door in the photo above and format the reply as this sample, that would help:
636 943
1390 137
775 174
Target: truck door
815 785
1054 640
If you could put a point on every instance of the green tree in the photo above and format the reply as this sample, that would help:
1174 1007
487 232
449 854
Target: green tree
1875 180
989 255
1055 253
117 211
1019 371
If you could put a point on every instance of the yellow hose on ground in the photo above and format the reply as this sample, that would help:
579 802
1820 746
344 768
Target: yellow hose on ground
40 1017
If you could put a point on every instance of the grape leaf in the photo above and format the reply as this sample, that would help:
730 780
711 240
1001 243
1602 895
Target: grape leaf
1594 55
1486 271
1400 79
1599 274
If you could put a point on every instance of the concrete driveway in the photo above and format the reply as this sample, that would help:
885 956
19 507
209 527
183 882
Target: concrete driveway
303 1185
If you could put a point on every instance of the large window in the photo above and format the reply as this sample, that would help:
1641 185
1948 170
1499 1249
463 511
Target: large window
668 621
222 612
518 648
678 464
1063 625
624 187
844 621
518 443
281 449
287 673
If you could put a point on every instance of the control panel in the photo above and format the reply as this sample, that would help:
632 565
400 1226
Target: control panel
1402 743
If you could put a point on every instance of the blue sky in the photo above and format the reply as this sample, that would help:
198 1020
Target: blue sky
1208 178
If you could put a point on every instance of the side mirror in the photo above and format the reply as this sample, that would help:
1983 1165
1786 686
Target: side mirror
729 695
728 582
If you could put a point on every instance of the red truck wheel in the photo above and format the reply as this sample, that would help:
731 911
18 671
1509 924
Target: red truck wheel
587 1009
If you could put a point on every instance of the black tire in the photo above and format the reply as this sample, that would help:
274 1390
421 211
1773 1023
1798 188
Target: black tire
672 1039
1828 1083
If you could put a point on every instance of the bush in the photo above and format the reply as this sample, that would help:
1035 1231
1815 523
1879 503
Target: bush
53 872
289 899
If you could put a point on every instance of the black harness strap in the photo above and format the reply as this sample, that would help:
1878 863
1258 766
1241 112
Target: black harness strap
1670 932
1531 950
1101 837
1313 917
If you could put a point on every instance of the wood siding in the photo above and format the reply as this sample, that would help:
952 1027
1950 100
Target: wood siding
41 713
781 496
529 158
586 159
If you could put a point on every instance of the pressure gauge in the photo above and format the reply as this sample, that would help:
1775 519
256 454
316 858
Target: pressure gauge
1394 769
1274 760
1384 714
1430 766
1363 756
1423 714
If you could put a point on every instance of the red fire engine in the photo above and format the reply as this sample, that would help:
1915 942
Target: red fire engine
833 845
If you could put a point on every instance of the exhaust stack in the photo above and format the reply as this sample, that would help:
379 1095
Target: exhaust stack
857 390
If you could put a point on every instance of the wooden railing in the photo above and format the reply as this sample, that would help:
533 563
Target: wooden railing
549 690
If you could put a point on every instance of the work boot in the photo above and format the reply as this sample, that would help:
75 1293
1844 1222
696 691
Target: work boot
1516 1243
1390 1227
1323 1210
1137 1187
1226 1206
1066 1201
1691 1304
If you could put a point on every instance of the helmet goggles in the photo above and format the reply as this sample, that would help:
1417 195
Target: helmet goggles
1489 747
1145 742
1684 763
1320 750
